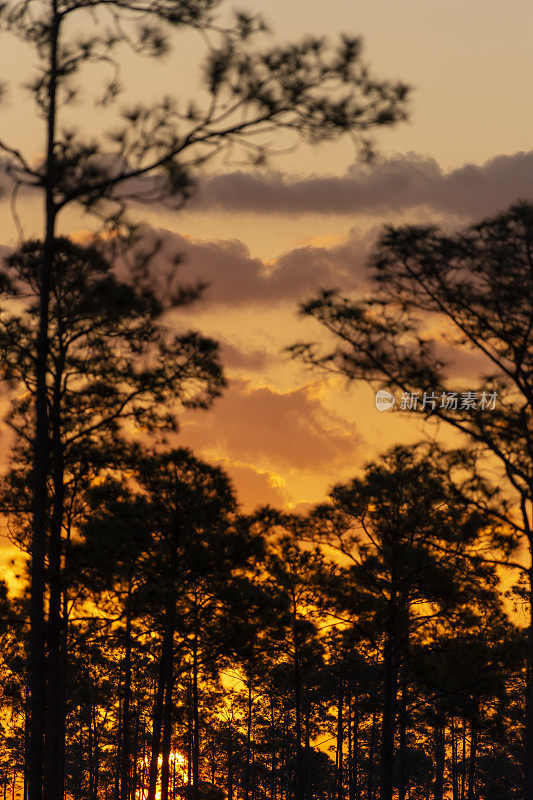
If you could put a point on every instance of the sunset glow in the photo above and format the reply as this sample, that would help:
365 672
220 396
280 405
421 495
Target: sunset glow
178 774
266 400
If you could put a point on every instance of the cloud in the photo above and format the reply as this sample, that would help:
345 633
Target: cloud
276 430
238 358
390 186
463 362
255 487
398 183
234 277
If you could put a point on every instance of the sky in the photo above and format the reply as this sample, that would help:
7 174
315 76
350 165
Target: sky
266 240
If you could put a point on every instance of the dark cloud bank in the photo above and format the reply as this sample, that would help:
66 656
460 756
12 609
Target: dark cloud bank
235 278
396 184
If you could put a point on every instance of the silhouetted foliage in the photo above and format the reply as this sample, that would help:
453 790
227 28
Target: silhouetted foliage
476 288
152 152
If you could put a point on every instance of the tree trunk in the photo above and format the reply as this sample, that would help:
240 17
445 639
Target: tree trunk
174 778
37 654
90 753
298 777
157 719
349 748
440 754
307 765
339 760
96 756
455 776
353 733
272 750
167 729
463 763
528 766
79 764
196 724
54 770
248 739
125 755
135 756
472 760
26 742
189 733
355 757
402 755
116 788
390 694
371 749
230 762
252 774
283 774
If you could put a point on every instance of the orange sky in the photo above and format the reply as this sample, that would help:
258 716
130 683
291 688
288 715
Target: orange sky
265 242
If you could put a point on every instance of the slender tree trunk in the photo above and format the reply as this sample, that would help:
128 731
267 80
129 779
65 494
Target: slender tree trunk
144 771
90 753
196 724
157 718
402 770
455 776
26 741
298 777
472 760
463 762
116 788
189 733
272 751
528 766
248 739
307 766
135 756
54 772
390 692
440 754
355 757
96 755
371 750
125 754
137 785
252 773
174 778
79 765
37 654
230 762
339 761
167 729
283 771
349 748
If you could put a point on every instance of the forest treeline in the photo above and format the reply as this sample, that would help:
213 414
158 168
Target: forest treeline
158 641
208 653
362 650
